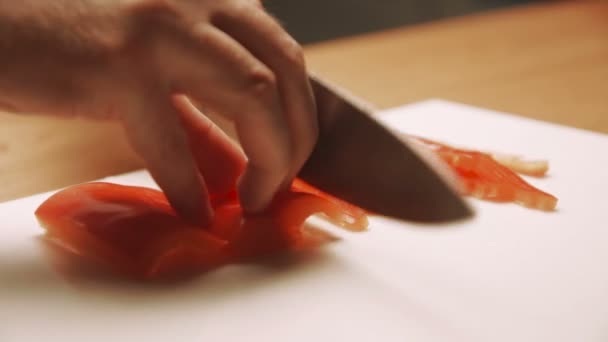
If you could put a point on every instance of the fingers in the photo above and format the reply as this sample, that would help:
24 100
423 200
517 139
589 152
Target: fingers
157 136
266 144
245 90
219 160
252 72
258 32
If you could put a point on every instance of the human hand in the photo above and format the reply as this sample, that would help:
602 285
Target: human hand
141 61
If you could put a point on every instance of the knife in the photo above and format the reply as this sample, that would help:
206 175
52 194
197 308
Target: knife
361 161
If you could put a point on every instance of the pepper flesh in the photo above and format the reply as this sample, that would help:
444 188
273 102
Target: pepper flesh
485 177
135 232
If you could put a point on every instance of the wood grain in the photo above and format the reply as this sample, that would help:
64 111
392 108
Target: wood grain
548 62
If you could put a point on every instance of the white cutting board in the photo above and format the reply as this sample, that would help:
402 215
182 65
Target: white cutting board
510 274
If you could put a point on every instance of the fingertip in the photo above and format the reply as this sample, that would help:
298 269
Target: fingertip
286 184
256 190
249 197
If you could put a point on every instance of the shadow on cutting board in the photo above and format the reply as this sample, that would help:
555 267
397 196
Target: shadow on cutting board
81 273
33 278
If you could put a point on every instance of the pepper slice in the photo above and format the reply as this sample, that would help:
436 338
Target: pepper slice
485 177
135 232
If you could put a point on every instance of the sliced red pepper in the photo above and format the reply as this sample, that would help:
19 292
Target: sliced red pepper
134 231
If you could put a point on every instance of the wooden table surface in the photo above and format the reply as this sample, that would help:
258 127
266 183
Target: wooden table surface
547 61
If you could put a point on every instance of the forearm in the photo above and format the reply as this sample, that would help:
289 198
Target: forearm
43 45
15 27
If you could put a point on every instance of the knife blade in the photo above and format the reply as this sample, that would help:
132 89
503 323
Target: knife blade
360 160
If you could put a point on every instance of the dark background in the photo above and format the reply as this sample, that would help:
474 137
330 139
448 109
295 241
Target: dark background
312 21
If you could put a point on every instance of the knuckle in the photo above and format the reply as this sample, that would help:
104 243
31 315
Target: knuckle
293 52
151 10
234 10
234 7
150 19
149 24
261 82
258 3
255 4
